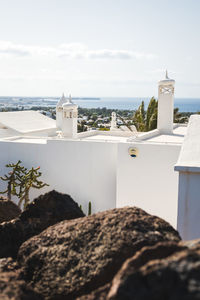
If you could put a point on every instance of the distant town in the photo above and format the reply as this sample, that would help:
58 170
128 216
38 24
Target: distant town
88 118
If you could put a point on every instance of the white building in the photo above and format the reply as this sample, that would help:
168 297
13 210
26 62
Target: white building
115 168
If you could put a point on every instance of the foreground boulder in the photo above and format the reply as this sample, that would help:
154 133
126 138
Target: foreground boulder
98 294
43 212
8 265
165 271
146 254
73 258
8 210
11 285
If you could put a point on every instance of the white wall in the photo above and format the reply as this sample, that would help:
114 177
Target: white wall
189 205
86 171
103 173
149 181
188 166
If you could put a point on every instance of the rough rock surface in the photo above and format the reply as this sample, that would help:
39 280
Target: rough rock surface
73 258
44 211
98 294
12 287
8 210
165 271
191 244
8 264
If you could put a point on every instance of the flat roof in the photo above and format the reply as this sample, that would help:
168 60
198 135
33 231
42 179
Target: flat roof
106 138
177 137
26 121
153 136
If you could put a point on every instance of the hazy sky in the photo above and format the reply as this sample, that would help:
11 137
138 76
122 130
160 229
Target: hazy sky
98 47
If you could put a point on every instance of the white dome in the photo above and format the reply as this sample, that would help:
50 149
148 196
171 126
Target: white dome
69 103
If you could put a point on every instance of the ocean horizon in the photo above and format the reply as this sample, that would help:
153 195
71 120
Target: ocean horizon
132 103
123 103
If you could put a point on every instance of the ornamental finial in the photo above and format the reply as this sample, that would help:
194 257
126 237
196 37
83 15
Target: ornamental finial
166 75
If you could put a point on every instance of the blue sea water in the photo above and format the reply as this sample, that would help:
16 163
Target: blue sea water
184 104
131 103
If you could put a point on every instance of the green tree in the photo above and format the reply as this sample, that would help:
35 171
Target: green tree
151 115
146 120
139 118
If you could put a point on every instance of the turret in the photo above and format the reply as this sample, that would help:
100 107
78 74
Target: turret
69 119
165 105
59 111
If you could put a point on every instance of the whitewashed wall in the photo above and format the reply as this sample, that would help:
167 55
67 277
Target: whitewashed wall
189 205
103 173
188 166
86 171
149 181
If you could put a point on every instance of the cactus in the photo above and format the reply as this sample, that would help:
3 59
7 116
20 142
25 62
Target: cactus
13 179
20 180
89 209
29 180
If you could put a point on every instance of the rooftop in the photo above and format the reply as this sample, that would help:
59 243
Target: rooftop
155 136
106 138
26 121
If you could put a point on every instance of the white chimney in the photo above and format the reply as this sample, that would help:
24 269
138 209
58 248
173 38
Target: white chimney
165 105
59 111
113 121
69 119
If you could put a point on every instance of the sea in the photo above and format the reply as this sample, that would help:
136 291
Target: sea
132 103
123 103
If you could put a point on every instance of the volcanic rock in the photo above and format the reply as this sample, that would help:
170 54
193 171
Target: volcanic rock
98 294
8 210
12 287
73 258
191 244
165 271
8 264
43 212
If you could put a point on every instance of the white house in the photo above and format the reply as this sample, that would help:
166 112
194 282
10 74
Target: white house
113 168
